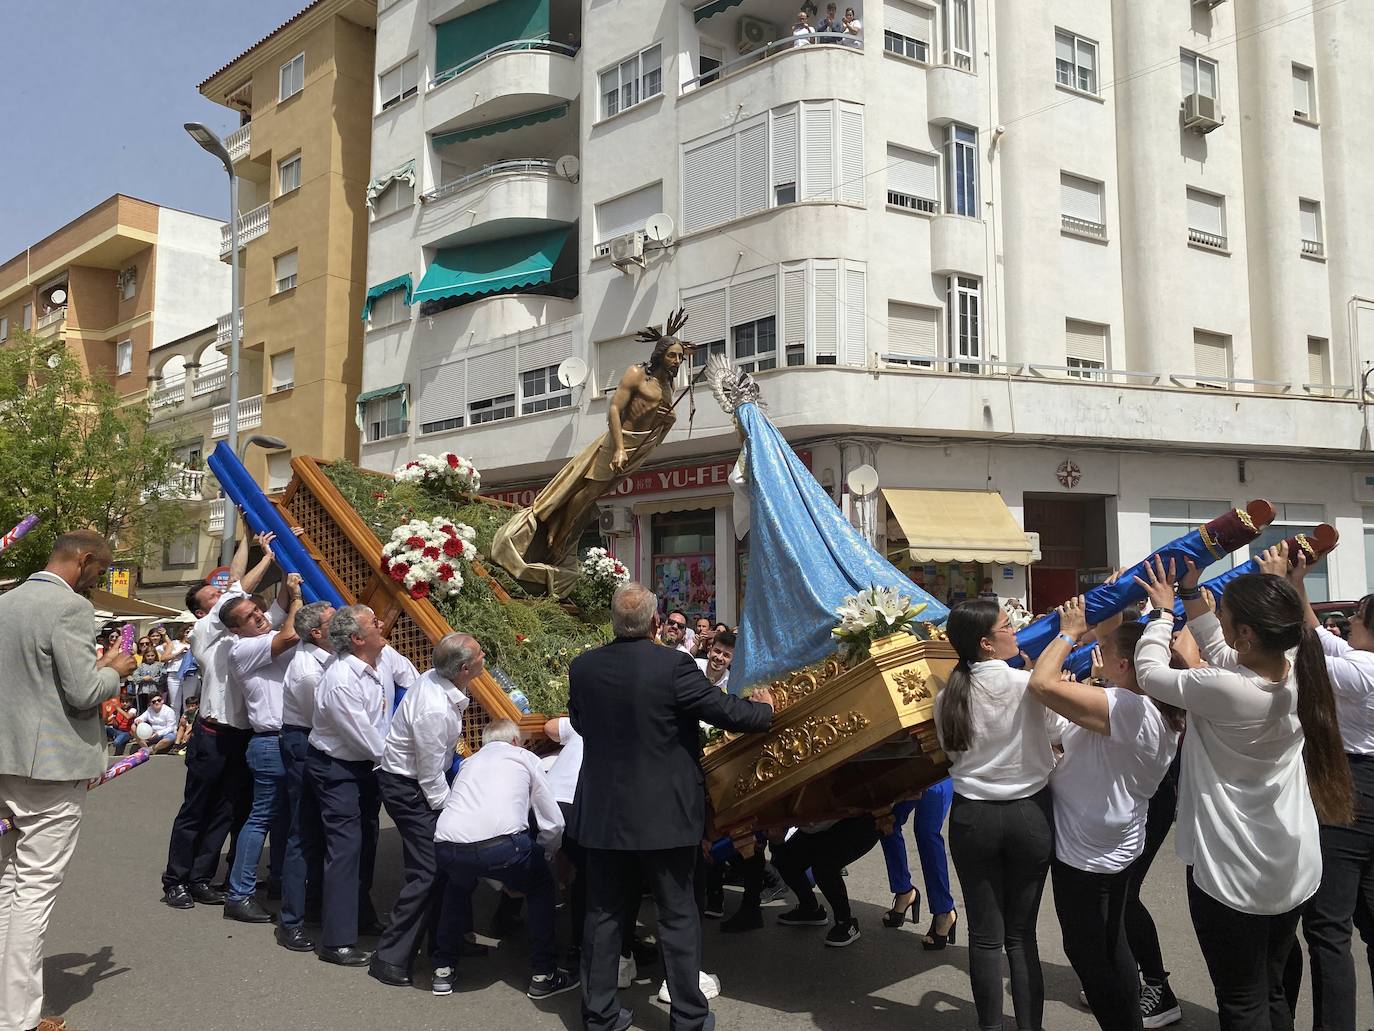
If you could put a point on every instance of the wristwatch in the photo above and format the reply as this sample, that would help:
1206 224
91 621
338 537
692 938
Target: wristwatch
1156 613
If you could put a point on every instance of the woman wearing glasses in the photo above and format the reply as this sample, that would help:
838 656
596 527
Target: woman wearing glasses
1001 823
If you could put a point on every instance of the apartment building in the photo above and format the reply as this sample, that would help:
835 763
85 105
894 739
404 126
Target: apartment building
1071 276
303 97
123 278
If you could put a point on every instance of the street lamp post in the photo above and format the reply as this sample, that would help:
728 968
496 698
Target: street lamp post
214 145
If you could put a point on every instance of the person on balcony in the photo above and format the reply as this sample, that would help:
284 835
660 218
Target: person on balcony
852 28
830 22
802 32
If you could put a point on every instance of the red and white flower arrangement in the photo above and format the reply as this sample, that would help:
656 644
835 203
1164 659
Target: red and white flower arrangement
603 570
425 556
446 470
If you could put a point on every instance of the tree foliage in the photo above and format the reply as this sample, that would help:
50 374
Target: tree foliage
78 457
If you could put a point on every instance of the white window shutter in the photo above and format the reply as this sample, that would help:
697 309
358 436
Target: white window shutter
855 318
794 307
707 315
785 145
1081 198
1316 360
1310 214
1086 341
491 375
1211 355
1205 212
825 288
852 153
540 354
443 394
818 150
753 167
628 213
913 331
613 357
912 173
708 184
910 20
757 299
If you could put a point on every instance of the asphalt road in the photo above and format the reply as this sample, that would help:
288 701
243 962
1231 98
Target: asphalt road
118 959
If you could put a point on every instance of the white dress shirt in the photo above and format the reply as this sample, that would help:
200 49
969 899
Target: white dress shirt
1009 755
424 729
723 683
493 795
401 672
303 674
1352 679
567 766
210 644
164 722
1246 823
350 703
259 678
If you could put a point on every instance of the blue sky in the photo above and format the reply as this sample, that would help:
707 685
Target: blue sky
99 109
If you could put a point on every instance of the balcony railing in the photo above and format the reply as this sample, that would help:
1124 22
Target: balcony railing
531 166
509 47
252 224
222 328
1085 227
1205 239
55 316
1311 248
210 380
170 393
216 520
238 142
771 50
250 416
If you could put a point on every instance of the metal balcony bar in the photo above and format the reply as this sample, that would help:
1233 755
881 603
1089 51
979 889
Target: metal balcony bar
934 363
773 49
1187 380
1205 239
534 166
1085 226
1099 375
250 416
238 142
210 380
509 47
252 224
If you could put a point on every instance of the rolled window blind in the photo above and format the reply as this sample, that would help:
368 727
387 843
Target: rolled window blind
442 392
912 173
491 375
757 299
912 330
825 288
753 167
1086 341
1081 198
1211 355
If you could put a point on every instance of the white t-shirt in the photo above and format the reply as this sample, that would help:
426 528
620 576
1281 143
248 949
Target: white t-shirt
1103 784
1246 823
162 722
567 766
724 684
1352 679
1010 755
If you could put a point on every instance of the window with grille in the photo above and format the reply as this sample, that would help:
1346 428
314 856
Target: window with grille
400 83
1075 61
1206 219
912 179
1085 348
285 268
385 417
291 77
1211 357
961 170
289 174
1199 74
1304 94
540 391
963 307
1310 214
632 81
491 409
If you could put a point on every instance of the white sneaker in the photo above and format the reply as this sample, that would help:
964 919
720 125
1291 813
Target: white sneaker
628 972
710 987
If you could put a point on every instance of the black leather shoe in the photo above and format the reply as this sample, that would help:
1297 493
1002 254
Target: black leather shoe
206 895
178 897
345 956
389 973
246 910
295 939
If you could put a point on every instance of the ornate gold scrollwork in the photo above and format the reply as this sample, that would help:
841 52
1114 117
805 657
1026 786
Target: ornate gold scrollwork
803 682
795 746
935 633
912 684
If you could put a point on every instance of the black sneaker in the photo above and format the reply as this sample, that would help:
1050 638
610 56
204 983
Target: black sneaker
715 905
1158 1006
843 934
804 916
546 986
441 983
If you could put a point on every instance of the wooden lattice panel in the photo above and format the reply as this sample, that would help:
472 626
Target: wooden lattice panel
335 550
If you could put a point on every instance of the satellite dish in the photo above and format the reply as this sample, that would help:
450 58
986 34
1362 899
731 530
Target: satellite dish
567 166
660 228
863 481
59 295
572 372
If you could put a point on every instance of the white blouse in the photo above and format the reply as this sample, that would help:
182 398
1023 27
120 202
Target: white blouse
1009 755
1246 823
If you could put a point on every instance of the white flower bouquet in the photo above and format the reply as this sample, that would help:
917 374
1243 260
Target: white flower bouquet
870 615
603 570
424 556
446 470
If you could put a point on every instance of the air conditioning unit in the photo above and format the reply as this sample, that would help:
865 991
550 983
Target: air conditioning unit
615 519
1200 113
628 250
755 33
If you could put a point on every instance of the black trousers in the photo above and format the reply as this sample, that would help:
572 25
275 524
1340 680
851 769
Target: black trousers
1141 934
577 891
303 864
1001 852
350 809
416 907
826 853
670 874
217 778
1092 916
1246 957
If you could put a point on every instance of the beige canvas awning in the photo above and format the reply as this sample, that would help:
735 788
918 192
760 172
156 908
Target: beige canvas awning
116 605
958 526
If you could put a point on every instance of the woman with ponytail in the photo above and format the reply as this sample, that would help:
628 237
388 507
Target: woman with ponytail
1262 763
1001 822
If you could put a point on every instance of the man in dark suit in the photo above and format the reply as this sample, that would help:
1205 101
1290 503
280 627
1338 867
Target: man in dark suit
641 800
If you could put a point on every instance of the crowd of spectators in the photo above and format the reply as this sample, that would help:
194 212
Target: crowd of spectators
149 697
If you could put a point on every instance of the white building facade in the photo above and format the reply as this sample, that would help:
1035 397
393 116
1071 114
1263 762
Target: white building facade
1106 260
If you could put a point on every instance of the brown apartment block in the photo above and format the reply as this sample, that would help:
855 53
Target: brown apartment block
303 95
115 283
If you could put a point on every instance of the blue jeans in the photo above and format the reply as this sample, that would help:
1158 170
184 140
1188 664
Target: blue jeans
930 809
268 814
118 738
515 863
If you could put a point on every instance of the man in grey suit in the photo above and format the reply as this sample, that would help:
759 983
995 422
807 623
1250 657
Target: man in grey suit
51 743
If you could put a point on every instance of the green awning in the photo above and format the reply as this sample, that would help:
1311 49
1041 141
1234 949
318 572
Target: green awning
400 389
461 39
399 283
500 125
714 7
495 265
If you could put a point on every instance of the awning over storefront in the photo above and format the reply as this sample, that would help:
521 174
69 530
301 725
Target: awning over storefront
714 7
443 139
399 283
494 265
958 526
113 605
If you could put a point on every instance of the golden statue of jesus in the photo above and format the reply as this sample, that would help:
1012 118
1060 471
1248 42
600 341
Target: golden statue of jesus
538 544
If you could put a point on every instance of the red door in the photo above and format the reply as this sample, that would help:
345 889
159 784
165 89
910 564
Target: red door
1051 587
